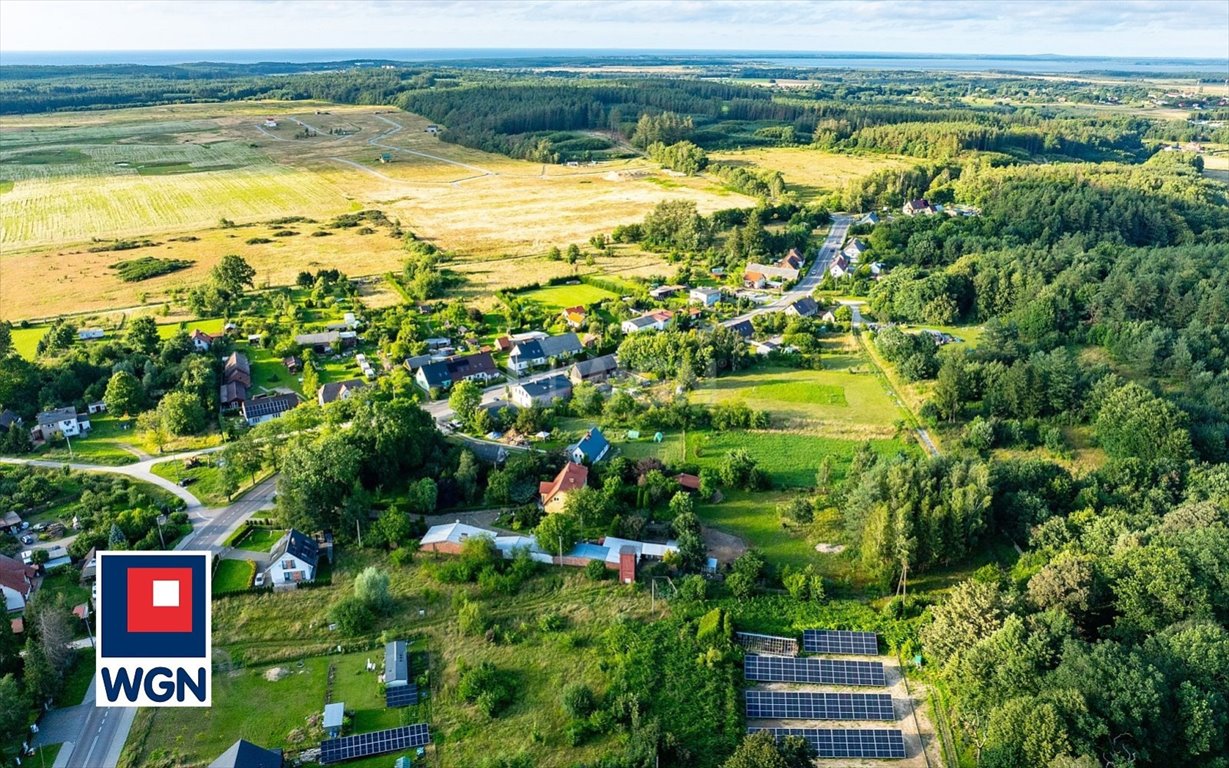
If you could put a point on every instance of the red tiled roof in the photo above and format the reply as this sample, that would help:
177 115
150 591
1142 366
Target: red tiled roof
571 477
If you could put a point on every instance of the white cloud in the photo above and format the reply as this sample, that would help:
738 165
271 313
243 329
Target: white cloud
1092 27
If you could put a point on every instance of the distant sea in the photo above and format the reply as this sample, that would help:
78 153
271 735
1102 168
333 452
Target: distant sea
539 57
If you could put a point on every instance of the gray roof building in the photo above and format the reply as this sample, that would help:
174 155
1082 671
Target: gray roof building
245 754
396 664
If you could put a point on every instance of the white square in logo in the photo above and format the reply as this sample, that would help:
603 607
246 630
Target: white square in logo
166 594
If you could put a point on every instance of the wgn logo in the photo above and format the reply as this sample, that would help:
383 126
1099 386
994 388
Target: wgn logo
153 629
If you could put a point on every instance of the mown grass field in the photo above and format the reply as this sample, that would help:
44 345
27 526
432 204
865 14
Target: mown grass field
557 297
843 400
111 440
205 480
790 458
174 171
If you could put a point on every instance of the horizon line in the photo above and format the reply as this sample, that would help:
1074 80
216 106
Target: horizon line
620 50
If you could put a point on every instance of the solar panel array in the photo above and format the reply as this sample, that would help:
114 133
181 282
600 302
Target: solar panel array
840 641
796 705
374 743
401 695
782 669
857 742
769 644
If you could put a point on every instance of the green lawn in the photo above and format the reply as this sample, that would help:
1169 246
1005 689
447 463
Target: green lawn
206 478
233 576
969 335
557 297
25 340
258 539
44 757
105 443
77 680
790 458
844 400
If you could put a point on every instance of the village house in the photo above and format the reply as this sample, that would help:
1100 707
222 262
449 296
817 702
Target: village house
772 273
706 297
754 279
840 267
743 328
16 583
243 753
854 250
869 220
442 374
338 390
62 421
791 260
592 448
324 342
237 369
919 207
553 495
828 317
594 371
232 395
293 559
544 351
575 317
261 409
662 291
201 341
543 392
657 320
804 307
8 419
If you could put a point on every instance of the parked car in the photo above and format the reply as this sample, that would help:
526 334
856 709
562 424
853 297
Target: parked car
27 539
184 482
260 579
40 527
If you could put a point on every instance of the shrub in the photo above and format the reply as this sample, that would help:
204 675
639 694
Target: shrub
472 619
578 701
595 570
487 687
352 617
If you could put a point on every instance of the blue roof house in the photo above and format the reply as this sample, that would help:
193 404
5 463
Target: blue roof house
593 447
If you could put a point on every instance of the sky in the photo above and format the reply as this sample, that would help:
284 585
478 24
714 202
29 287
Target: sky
1153 28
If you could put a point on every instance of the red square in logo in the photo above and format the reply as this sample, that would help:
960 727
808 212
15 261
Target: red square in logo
160 600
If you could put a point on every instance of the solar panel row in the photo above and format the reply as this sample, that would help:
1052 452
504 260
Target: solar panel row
860 742
374 743
780 669
840 641
401 695
796 705
770 644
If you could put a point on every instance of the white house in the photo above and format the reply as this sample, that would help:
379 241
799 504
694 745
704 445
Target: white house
657 320
292 560
16 583
542 351
201 341
62 421
854 250
840 267
706 297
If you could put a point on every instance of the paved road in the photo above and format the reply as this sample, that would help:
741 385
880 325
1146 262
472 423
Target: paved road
807 285
142 470
93 737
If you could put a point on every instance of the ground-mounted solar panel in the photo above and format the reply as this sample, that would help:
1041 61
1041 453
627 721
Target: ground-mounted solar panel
808 669
374 743
840 641
767 644
401 695
884 743
810 705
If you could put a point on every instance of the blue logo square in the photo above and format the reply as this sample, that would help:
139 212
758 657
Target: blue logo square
117 640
